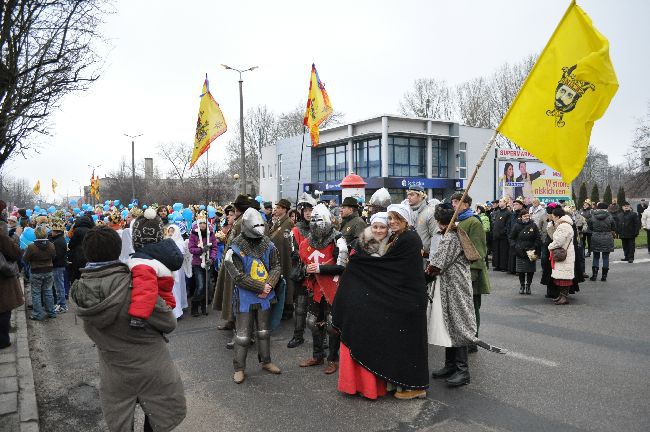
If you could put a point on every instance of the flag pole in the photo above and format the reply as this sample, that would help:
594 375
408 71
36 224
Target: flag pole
302 149
471 179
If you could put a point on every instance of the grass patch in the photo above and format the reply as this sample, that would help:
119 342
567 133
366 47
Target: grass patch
641 240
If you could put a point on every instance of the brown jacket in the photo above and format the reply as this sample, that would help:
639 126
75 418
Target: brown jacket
281 237
39 255
11 294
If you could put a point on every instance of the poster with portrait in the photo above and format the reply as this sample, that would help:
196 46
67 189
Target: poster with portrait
520 175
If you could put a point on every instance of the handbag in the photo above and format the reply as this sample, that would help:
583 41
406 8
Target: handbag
469 249
8 269
559 254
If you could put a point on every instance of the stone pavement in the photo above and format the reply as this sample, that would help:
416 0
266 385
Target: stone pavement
18 408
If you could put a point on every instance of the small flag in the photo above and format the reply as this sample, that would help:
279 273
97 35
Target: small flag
97 188
54 185
92 183
319 107
568 89
37 188
209 125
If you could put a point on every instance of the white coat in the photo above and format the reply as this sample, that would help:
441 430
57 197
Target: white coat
563 237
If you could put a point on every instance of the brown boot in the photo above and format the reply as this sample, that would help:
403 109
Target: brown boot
271 368
410 394
564 297
239 377
332 367
311 362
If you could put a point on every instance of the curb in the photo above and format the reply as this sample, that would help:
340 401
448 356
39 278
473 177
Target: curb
27 406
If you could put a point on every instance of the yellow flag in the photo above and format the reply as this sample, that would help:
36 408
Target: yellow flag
568 89
210 123
37 188
97 188
54 185
319 107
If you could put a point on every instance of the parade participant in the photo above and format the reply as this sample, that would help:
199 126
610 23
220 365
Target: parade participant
645 224
39 256
324 253
351 223
629 226
423 220
59 263
152 266
135 367
379 201
252 261
76 254
163 213
268 212
528 246
127 238
602 227
452 323
294 216
353 377
478 270
298 234
223 297
585 233
115 222
203 247
562 271
11 293
545 257
381 312
280 235
180 290
517 205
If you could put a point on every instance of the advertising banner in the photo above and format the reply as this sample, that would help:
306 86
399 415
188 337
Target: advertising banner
520 175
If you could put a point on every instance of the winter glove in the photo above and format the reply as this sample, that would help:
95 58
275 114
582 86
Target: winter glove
206 248
208 263
137 324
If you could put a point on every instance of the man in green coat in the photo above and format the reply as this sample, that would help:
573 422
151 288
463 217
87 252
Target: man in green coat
280 235
474 229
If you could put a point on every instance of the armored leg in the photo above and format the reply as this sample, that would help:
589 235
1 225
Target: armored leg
316 323
242 339
263 335
334 337
301 315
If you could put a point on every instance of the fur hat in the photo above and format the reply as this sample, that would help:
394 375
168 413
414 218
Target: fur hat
242 202
147 229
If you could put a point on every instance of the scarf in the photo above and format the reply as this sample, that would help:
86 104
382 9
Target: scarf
465 214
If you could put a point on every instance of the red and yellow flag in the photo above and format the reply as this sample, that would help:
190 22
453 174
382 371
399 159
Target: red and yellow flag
319 107
209 125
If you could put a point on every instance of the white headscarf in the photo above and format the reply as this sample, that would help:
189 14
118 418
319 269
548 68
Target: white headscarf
381 217
403 210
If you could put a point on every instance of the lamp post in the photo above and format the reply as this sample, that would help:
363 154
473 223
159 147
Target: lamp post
133 137
241 123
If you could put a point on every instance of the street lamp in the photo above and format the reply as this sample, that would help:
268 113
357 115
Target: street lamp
241 122
133 137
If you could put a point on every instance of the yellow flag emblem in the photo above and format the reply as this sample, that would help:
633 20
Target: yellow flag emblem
37 188
568 89
209 125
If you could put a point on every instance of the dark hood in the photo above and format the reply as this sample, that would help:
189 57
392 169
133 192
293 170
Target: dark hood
600 214
165 251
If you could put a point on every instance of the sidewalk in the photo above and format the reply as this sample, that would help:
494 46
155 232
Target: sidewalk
18 408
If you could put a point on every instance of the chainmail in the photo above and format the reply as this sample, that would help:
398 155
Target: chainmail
303 227
321 237
252 247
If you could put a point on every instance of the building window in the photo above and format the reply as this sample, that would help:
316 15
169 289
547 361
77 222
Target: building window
270 172
280 178
367 157
439 163
397 195
263 171
331 163
462 161
406 157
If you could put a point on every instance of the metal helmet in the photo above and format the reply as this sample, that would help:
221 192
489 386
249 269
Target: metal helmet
305 200
321 220
253 225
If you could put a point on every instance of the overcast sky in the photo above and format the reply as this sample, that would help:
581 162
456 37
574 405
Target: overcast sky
368 53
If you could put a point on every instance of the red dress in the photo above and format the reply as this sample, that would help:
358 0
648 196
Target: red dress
354 378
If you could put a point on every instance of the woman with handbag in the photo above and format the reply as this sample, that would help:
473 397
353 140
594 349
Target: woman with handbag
528 244
11 295
562 254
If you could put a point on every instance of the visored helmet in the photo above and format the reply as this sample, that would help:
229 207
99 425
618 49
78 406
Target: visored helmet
253 225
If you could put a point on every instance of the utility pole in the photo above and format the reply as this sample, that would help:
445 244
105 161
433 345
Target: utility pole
133 137
241 124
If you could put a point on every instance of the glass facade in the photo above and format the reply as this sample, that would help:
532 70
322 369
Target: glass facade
462 160
367 157
406 157
440 163
331 163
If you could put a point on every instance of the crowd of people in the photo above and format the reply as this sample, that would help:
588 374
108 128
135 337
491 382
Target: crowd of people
374 285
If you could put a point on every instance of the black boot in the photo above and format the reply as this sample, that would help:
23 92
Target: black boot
522 289
450 365
528 288
461 376
195 308
204 309
604 277
594 273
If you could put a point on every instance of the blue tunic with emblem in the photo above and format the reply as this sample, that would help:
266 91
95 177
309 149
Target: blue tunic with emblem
257 269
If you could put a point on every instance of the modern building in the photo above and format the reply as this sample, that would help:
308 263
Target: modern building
387 151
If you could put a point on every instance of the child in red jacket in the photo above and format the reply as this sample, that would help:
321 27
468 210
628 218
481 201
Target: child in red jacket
152 266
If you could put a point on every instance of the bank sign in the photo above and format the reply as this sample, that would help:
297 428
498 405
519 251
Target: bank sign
391 183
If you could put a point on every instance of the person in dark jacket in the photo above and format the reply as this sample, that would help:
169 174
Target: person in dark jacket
602 227
77 256
527 245
39 255
500 245
352 225
517 205
585 234
58 264
11 295
629 226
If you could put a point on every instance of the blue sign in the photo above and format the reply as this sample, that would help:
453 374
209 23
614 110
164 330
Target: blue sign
391 182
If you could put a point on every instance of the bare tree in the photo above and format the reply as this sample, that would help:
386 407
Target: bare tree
17 191
178 156
473 99
428 98
46 52
291 123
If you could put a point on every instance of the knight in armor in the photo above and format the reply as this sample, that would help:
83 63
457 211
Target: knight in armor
253 264
379 202
324 253
299 233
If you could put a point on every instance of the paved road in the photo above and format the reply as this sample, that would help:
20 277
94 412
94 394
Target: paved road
583 367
